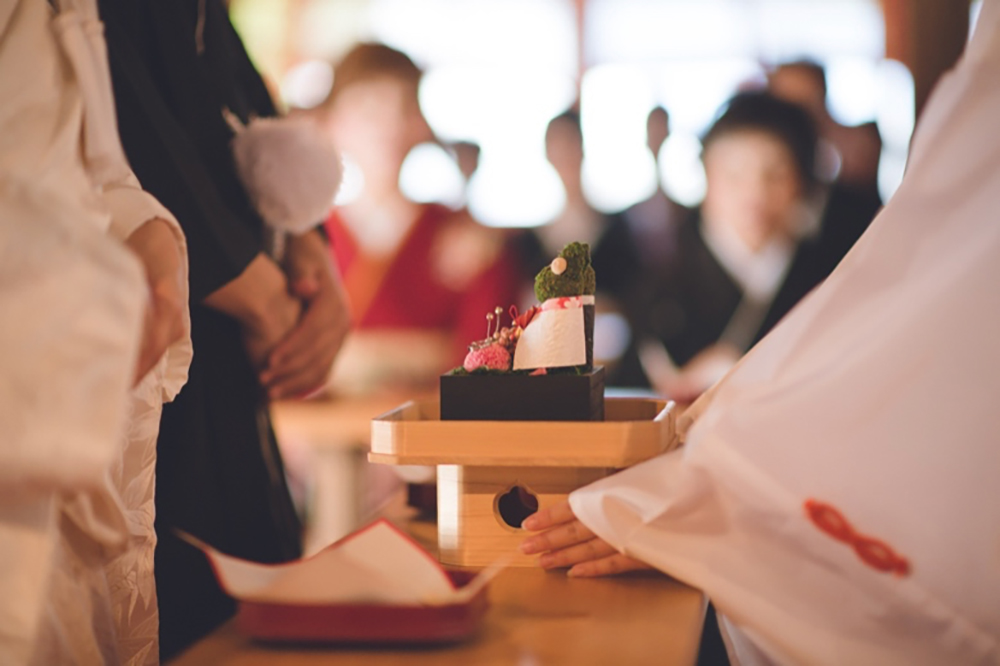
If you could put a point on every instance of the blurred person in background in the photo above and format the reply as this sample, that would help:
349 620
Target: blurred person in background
856 150
654 222
420 278
847 163
741 263
467 159
261 328
612 249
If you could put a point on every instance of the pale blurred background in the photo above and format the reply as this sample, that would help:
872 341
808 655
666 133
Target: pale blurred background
498 70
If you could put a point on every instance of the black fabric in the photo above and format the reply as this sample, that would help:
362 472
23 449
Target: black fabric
180 156
219 472
219 477
712 649
848 213
689 306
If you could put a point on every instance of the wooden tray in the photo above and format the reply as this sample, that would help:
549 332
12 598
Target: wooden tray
634 430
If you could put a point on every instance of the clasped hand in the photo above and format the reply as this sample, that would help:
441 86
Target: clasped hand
301 361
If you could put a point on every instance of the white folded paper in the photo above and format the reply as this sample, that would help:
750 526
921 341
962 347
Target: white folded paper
375 565
555 337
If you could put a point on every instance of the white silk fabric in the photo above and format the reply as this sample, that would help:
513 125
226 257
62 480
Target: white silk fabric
78 451
876 396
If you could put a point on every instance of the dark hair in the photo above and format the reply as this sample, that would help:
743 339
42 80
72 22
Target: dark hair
763 112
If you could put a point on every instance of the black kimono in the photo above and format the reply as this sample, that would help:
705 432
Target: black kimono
693 303
219 472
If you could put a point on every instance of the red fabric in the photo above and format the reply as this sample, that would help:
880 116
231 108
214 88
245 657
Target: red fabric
411 295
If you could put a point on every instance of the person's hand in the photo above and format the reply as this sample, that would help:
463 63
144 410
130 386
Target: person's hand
163 324
682 389
262 334
701 372
258 299
686 384
301 362
566 542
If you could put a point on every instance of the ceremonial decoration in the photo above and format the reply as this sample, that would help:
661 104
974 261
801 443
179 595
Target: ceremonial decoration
540 365
557 334
290 172
524 421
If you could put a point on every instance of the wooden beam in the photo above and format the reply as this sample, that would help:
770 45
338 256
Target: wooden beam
927 36
580 10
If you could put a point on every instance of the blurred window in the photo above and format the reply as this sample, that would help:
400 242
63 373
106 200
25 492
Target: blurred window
690 56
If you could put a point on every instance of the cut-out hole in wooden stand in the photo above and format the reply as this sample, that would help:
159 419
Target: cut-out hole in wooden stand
515 505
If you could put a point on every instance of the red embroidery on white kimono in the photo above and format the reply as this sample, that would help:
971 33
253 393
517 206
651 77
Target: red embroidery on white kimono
876 554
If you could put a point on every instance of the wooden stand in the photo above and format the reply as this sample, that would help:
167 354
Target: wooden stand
492 474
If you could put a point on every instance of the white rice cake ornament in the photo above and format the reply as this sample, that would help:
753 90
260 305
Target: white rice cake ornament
555 336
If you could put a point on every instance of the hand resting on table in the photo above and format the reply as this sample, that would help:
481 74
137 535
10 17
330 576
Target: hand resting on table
563 541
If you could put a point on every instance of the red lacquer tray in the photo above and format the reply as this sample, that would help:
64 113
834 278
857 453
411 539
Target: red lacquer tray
365 623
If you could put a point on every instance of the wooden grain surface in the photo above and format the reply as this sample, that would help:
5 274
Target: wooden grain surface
634 430
329 422
471 527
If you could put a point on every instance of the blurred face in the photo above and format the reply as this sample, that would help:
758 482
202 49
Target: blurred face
377 122
467 157
753 186
564 151
657 130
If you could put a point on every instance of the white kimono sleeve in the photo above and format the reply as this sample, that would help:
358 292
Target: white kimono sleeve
80 34
130 207
838 500
72 301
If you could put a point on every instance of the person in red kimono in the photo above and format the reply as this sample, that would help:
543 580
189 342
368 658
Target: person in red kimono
420 277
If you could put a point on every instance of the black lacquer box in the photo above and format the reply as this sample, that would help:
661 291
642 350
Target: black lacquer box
518 397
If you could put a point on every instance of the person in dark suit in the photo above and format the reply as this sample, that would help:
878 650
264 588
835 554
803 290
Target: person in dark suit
740 262
655 221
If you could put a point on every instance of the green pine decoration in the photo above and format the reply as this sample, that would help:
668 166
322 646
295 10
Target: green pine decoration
577 280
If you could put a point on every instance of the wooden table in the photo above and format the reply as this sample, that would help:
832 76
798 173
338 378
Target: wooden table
536 618
333 436
332 423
